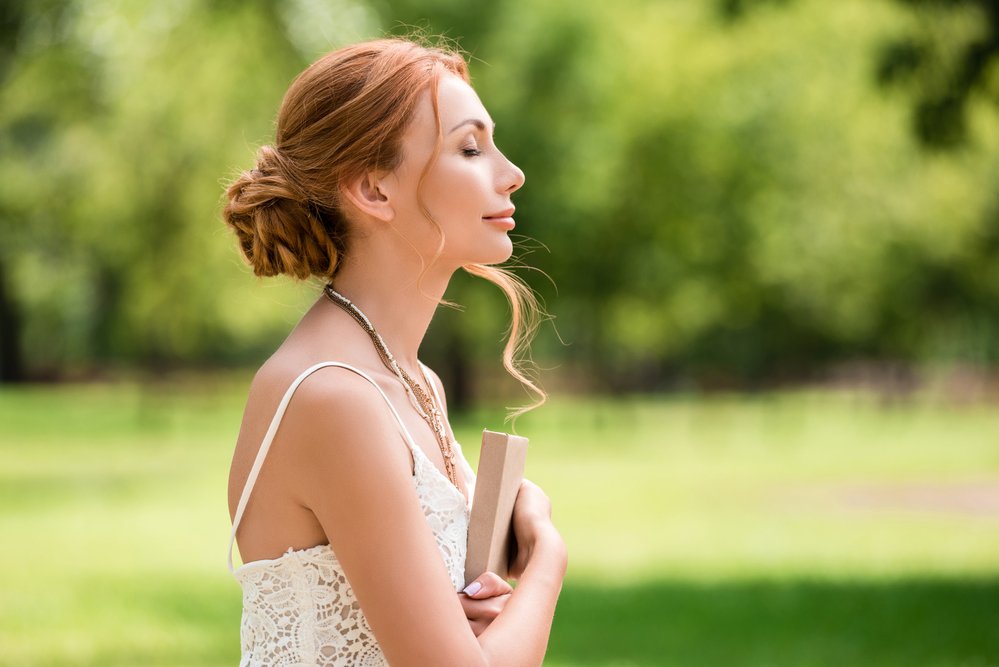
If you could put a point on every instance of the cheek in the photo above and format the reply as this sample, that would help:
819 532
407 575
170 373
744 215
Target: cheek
455 188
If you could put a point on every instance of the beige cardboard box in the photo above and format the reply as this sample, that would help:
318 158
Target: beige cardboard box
497 482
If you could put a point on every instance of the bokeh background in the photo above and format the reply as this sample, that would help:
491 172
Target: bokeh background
767 232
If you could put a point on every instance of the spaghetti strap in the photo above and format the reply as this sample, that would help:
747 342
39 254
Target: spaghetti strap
258 462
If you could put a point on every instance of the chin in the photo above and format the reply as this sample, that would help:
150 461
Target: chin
498 254
495 250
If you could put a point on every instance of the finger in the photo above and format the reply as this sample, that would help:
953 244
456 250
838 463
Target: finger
487 585
484 610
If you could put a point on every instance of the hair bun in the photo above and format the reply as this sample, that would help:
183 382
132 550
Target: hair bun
279 230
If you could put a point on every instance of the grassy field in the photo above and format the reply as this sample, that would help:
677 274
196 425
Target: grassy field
799 529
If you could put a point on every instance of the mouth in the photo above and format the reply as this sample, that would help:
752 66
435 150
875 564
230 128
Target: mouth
502 219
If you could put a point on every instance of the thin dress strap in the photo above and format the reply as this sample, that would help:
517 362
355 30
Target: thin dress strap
258 463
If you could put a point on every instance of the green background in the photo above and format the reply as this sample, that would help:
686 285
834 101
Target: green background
719 194
767 231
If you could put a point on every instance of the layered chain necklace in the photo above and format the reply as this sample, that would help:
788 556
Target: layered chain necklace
424 402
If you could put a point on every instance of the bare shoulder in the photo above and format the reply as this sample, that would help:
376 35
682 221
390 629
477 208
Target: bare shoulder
331 397
345 462
339 416
339 391
333 413
352 472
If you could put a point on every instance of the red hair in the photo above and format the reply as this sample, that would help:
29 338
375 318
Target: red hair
344 116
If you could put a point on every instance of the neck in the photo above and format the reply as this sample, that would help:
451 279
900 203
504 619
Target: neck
399 304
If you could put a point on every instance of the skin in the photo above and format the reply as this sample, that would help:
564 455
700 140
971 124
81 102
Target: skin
339 471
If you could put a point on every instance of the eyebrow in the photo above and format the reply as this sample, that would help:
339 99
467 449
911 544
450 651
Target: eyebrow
471 121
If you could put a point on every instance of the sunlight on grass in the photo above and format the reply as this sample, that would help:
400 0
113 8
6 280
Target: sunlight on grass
795 525
769 485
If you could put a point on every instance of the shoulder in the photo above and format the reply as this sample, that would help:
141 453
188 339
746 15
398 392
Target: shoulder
350 471
333 415
334 386
337 383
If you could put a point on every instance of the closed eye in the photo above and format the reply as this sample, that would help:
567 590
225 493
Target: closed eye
471 152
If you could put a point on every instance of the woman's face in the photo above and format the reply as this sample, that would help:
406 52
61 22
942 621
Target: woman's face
467 191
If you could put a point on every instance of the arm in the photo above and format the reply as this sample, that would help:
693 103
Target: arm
484 604
356 477
541 560
539 566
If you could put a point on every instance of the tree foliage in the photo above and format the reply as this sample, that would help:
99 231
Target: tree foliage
717 194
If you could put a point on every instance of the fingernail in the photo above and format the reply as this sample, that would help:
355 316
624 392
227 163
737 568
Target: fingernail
472 588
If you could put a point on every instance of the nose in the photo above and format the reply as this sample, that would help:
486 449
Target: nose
512 178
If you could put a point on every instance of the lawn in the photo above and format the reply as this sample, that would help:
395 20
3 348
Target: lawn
804 528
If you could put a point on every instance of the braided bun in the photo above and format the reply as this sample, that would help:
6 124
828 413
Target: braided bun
279 229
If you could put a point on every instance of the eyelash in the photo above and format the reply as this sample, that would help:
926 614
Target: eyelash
471 152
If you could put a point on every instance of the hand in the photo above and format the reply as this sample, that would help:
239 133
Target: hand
485 602
532 517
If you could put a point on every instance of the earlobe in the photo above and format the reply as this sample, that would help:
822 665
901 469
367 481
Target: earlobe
369 194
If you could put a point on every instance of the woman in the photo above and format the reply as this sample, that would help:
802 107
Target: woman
348 492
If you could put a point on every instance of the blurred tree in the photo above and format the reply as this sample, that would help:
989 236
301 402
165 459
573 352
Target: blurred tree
725 200
946 59
947 62
11 362
721 201
27 28
111 173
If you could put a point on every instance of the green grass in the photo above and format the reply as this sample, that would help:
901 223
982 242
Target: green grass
783 529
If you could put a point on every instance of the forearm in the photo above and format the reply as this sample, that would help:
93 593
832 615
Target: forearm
519 635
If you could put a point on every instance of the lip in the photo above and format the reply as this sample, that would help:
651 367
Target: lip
502 218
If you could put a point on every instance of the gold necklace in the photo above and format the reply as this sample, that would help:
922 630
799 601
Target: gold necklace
426 406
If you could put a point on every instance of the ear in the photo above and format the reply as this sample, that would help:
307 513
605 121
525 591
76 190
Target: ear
369 194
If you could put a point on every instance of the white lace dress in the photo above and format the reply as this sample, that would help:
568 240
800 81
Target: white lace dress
299 609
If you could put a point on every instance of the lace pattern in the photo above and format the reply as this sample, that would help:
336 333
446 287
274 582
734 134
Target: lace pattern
299 610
